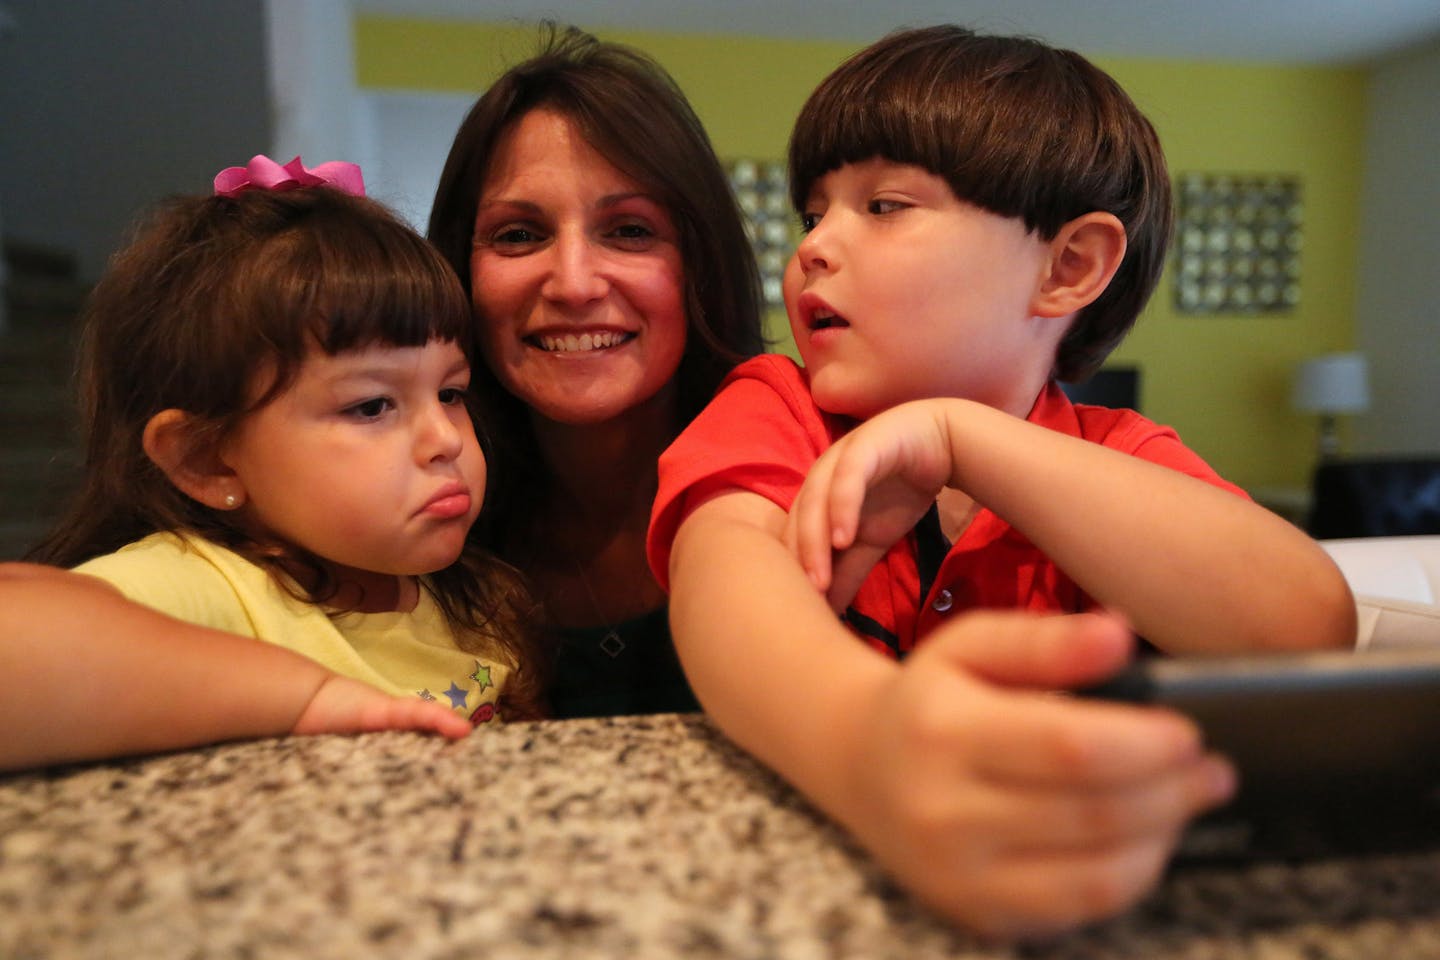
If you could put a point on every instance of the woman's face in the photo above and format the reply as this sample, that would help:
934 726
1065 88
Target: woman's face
577 278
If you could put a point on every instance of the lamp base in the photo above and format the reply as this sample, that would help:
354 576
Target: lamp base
1329 437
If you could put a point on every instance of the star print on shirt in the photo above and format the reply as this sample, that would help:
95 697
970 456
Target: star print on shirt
457 696
482 676
426 695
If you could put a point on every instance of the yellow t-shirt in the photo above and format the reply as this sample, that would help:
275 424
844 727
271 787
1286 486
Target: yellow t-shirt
413 653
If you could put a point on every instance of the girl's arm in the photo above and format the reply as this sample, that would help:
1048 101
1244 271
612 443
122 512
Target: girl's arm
1193 567
88 674
1006 808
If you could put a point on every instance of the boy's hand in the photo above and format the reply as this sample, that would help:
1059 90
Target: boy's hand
865 493
1015 811
342 705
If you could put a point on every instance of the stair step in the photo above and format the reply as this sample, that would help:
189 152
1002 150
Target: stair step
40 461
18 536
45 429
37 475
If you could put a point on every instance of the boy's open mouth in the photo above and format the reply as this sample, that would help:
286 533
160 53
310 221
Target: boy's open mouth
824 320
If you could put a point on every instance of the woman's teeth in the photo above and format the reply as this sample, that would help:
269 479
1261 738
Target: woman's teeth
582 342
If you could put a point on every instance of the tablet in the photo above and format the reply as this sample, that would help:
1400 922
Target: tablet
1338 752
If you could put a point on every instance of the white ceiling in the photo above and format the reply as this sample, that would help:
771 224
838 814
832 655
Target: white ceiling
1289 31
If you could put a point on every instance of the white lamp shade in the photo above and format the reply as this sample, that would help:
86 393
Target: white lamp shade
1333 383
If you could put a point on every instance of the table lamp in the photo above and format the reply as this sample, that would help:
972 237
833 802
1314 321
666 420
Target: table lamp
1331 385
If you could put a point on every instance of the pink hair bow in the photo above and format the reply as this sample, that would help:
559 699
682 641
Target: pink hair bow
262 173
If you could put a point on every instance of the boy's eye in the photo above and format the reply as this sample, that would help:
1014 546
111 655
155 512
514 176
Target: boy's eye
880 207
371 409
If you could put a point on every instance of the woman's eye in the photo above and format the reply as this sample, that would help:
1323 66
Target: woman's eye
371 409
632 235
514 238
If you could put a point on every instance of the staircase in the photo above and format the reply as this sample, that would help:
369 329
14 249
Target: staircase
39 452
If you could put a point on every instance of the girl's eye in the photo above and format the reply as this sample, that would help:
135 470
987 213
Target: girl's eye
808 222
371 409
881 207
451 396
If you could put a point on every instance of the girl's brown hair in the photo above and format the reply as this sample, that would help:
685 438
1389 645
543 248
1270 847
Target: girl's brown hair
1016 127
216 295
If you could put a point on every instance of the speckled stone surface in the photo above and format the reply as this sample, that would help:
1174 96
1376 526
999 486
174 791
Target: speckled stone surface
642 837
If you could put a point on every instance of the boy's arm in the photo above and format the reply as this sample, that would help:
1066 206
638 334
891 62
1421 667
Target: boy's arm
89 674
1194 568
1009 810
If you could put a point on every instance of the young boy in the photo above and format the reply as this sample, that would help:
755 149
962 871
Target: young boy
984 215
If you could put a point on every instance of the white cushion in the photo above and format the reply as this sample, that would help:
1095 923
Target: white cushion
1402 568
1387 624
1396 582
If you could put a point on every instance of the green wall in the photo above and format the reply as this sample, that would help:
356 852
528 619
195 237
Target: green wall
1221 380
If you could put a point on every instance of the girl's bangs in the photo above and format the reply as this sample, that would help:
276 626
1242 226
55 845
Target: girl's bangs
385 286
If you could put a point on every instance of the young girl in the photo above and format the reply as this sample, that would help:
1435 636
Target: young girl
274 392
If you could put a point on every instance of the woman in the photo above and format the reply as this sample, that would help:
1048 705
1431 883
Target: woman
585 212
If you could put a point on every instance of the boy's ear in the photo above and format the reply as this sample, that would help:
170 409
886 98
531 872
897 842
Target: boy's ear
1084 256
196 470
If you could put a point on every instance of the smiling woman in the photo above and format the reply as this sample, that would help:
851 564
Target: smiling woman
580 279
585 212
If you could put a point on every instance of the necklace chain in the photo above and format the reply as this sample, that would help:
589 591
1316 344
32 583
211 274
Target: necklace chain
611 644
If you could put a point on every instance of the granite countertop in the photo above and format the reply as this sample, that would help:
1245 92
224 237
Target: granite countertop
644 837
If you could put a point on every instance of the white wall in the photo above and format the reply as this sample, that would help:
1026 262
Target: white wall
400 139
311 48
1398 312
107 106
406 137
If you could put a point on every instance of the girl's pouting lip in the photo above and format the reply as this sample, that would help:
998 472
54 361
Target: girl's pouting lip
452 500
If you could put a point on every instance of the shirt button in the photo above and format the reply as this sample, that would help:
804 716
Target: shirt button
943 601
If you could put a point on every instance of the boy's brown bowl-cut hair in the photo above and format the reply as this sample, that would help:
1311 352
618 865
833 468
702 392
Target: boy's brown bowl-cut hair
1015 127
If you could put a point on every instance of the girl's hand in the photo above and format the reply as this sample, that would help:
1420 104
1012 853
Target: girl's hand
864 494
1008 808
342 705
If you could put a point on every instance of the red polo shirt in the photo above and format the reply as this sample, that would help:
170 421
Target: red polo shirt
762 432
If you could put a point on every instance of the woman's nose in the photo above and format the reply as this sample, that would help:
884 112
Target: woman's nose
575 275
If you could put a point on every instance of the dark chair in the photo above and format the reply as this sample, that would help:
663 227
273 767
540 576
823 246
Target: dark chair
1107 387
1386 497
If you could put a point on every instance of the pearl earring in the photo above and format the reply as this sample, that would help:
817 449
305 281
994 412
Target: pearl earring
231 501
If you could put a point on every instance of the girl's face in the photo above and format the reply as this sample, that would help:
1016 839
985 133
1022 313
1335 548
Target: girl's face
369 460
577 278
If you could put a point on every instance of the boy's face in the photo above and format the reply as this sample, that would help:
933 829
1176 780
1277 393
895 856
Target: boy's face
901 291
369 460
